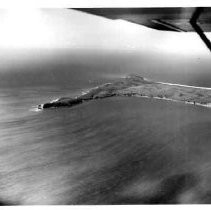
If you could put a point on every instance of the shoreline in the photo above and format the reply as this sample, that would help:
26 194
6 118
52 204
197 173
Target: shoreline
177 101
137 86
188 86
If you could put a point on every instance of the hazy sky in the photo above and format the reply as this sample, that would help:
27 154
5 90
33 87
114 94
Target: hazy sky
64 28
57 42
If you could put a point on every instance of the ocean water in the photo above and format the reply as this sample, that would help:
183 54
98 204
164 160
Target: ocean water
112 151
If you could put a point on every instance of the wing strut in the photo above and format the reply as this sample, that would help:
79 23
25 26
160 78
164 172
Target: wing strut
196 27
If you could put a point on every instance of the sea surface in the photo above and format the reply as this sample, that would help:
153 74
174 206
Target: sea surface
112 151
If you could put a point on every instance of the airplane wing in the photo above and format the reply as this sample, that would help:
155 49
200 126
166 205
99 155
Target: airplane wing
180 19
168 19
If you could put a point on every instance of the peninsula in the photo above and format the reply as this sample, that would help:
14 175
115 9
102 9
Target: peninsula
137 86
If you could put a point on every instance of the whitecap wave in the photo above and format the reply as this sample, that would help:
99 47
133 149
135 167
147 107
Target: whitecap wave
35 109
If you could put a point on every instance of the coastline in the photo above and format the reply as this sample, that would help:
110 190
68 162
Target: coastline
188 103
137 86
180 85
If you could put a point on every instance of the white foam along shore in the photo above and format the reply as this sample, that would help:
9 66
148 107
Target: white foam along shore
188 86
208 105
180 85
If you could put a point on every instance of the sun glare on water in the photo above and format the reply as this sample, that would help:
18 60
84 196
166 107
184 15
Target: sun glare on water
23 28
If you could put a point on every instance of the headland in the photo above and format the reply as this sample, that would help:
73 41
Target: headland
137 86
